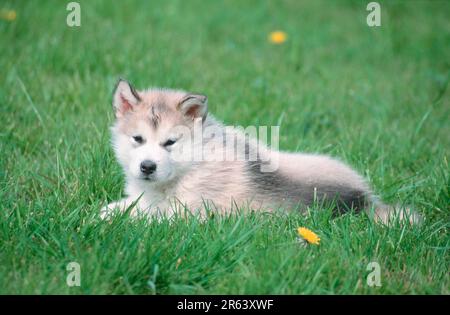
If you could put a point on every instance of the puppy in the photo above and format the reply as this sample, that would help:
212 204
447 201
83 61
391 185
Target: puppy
175 155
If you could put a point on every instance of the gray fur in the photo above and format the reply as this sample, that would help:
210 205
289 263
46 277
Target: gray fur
284 190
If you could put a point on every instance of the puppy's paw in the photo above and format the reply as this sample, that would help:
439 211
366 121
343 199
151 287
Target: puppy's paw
112 208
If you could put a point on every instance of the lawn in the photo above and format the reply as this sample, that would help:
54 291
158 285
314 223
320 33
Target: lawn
376 97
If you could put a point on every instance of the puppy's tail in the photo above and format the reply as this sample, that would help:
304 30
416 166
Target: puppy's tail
388 214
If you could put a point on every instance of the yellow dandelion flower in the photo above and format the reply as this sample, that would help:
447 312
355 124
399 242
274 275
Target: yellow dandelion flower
277 37
308 235
8 15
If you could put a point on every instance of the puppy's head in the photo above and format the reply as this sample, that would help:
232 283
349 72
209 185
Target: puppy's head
152 131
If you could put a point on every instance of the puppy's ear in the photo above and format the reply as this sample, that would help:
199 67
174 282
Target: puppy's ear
125 98
194 106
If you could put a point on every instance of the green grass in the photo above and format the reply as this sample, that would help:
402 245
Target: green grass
374 97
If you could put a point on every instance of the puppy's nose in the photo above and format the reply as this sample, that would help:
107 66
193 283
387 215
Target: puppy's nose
148 167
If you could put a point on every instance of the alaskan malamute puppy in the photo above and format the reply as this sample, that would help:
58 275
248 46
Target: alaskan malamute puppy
173 152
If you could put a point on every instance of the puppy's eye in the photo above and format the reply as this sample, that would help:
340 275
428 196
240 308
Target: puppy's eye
169 142
138 139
